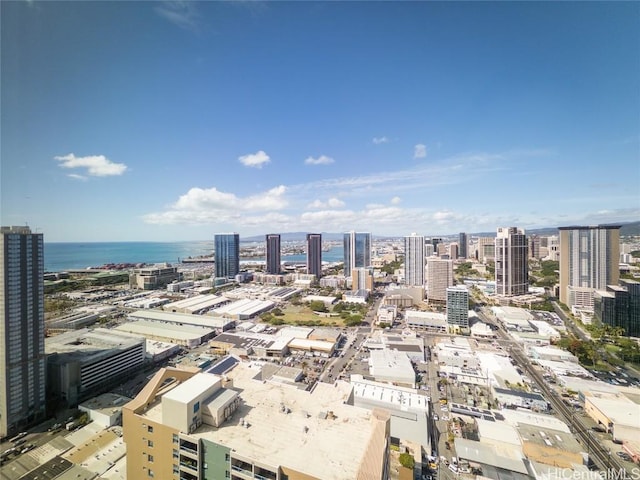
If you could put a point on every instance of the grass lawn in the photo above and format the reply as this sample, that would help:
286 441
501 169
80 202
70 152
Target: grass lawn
301 313
612 348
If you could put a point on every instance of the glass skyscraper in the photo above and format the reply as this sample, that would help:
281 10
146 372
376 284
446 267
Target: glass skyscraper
357 251
273 254
22 357
314 254
227 254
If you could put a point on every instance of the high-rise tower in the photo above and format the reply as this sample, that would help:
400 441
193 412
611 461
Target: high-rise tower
458 306
439 278
357 251
589 261
512 269
314 254
273 254
22 358
227 254
463 243
414 260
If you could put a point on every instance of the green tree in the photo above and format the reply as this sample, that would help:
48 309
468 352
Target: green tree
407 460
317 306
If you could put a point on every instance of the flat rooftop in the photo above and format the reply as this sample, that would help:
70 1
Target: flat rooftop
165 330
89 344
307 438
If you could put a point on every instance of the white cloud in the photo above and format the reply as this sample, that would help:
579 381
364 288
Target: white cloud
183 14
96 165
331 203
419 151
321 160
75 176
210 205
256 160
320 205
379 140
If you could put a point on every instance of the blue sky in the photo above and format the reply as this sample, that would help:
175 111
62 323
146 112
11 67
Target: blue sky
177 120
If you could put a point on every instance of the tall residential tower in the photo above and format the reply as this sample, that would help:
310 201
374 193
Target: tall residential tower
273 254
512 269
227 254
414 260
22 358
589 261
357 251
463 244
314 254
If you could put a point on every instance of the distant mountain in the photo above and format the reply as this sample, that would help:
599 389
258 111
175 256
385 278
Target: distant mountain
627 229
630 229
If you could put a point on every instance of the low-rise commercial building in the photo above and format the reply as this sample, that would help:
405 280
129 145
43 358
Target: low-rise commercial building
105 410
617 413
409 409
210 321
196 304
82 362
185 335
392 366
429 321
153 277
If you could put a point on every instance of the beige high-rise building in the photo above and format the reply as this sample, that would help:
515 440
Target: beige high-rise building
486 249
439 277
192 425
589 261
362 279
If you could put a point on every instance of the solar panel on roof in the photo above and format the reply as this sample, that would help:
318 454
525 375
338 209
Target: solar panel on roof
222 366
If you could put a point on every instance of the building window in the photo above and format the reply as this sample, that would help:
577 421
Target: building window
226 474
150 443
176 470
174 438
175 453
150 429
226 457
150 473
150 458
196 407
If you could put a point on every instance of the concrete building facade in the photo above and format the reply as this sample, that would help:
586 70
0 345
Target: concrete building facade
589 258
197 425
439 278
153 277
414 260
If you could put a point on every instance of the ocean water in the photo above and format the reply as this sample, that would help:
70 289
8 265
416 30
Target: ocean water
59 257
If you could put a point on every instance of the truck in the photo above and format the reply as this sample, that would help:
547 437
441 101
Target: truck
72 425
